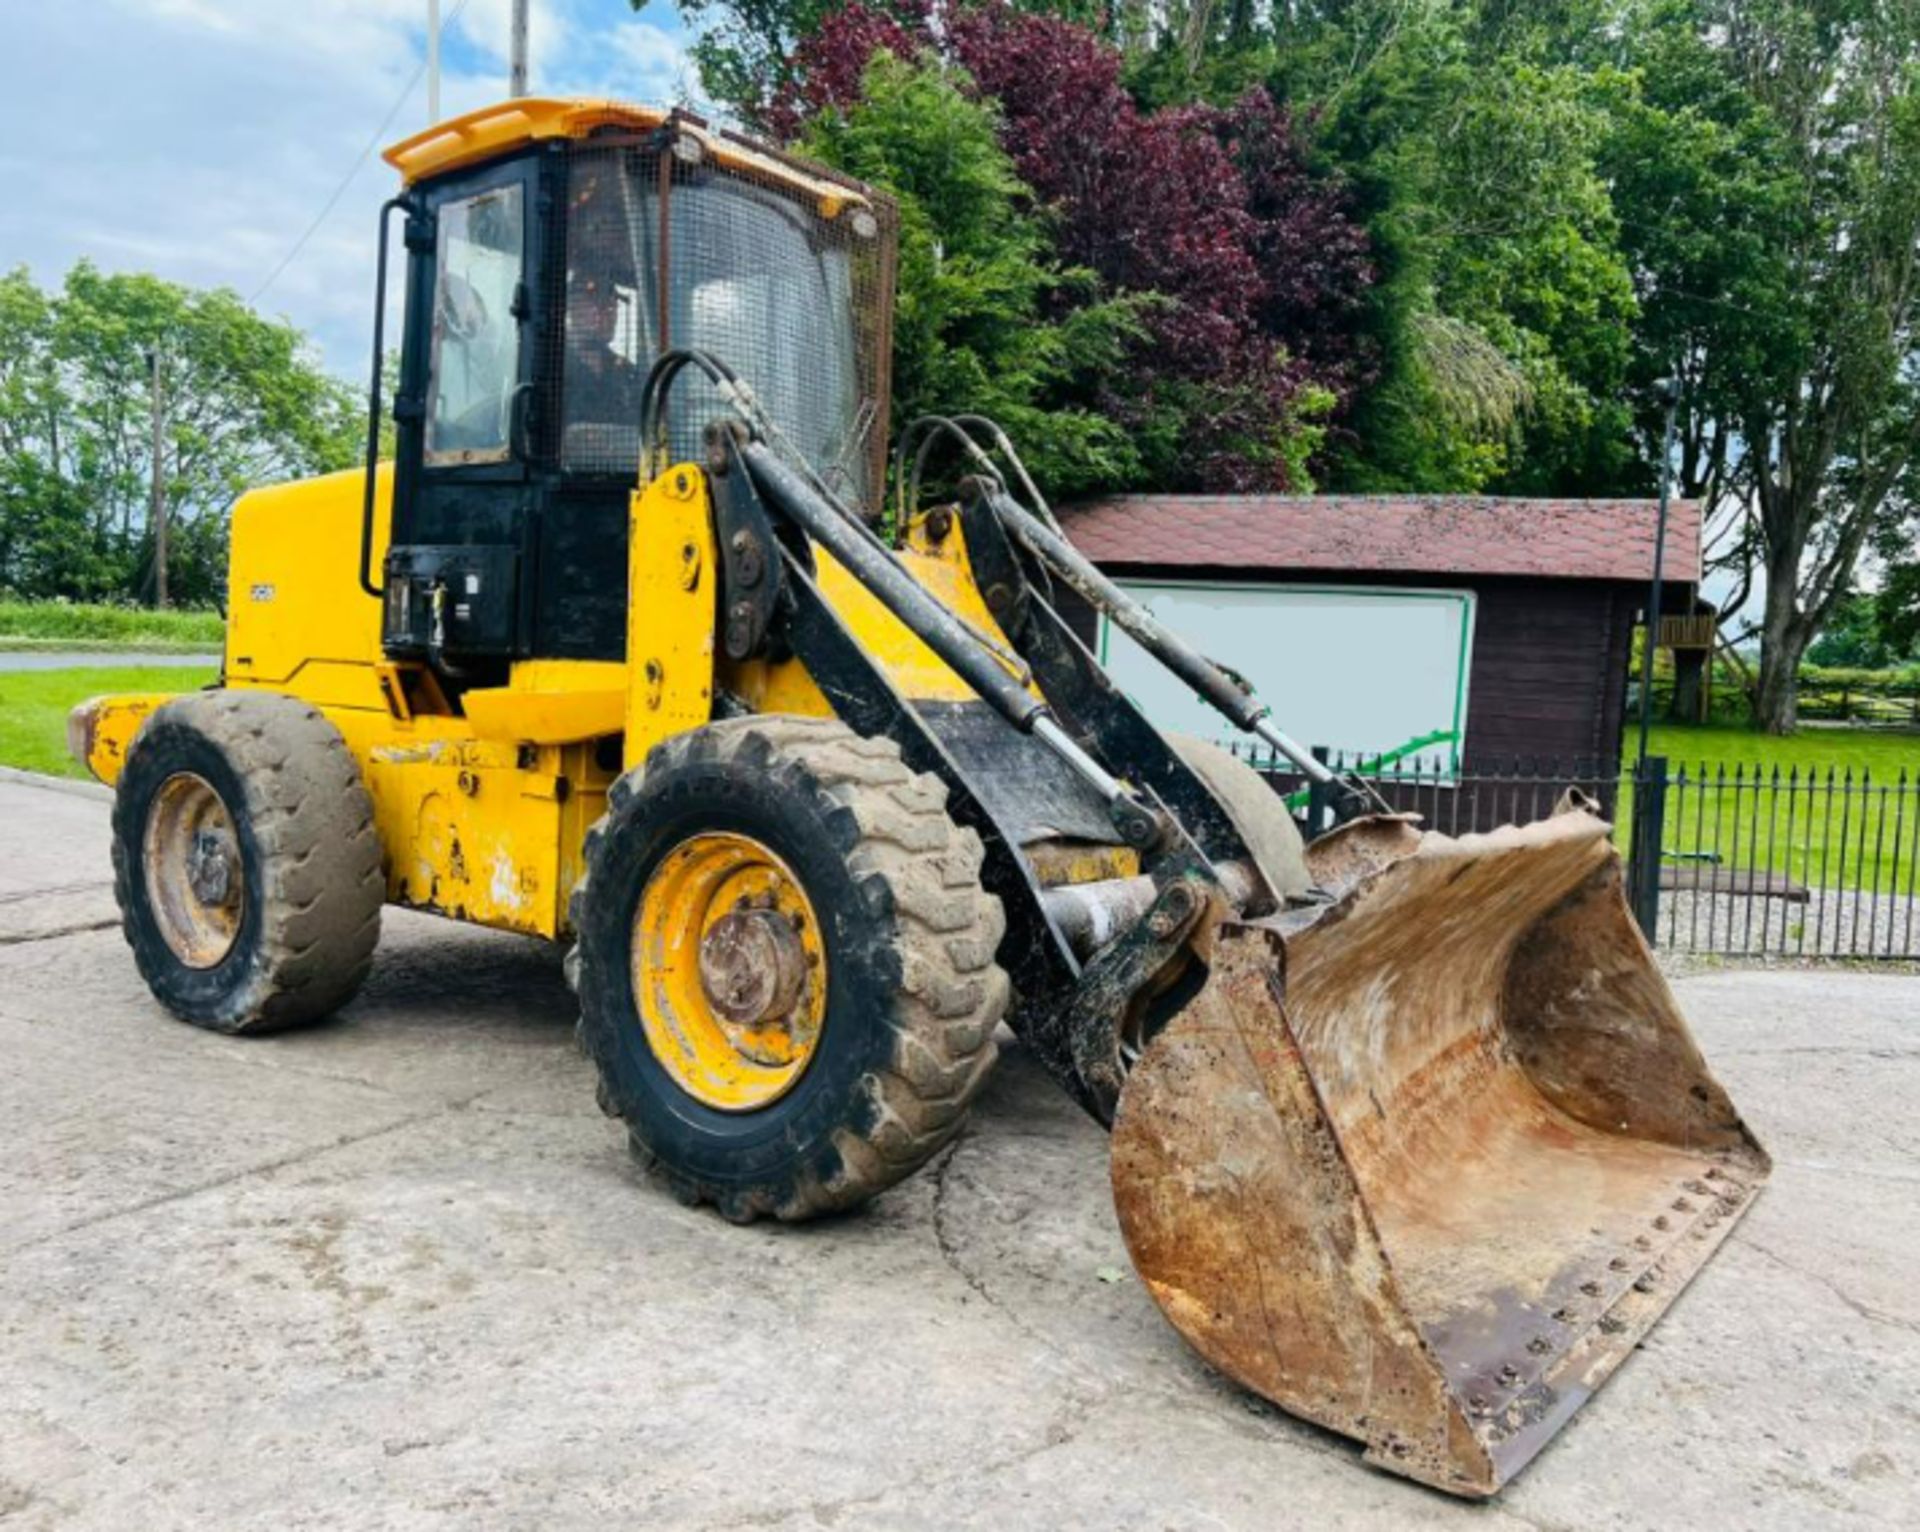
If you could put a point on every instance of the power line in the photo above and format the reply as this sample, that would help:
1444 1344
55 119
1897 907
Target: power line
353 170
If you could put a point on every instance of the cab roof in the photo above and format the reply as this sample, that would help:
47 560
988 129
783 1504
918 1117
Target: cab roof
494 131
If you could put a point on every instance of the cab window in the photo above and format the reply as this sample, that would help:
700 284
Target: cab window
474 358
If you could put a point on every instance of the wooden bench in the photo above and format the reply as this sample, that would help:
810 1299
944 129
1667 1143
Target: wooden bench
1734 882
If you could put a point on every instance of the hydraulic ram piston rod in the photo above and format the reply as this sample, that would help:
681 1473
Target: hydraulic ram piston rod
875 567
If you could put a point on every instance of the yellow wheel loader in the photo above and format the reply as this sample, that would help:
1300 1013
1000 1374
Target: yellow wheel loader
1408 1134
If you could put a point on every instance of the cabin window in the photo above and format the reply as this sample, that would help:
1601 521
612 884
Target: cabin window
474 361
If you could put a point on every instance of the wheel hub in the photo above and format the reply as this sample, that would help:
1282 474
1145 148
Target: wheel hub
209 868
752 966
196 880
729 971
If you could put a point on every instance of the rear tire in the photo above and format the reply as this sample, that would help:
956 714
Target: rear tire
908 938
246 862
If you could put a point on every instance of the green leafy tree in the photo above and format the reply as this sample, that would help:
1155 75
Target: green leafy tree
1770 187
1506 306
1566 204
983 322
1896 604
1854 638
242 402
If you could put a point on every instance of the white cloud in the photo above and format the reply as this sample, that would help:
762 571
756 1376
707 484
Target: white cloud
198 139
658 59
486 25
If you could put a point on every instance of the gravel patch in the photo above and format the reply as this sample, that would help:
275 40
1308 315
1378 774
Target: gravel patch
1833 923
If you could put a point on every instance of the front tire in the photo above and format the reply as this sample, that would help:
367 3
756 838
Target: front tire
246 862
822 852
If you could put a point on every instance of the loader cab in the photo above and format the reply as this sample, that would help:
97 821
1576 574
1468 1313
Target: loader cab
554 251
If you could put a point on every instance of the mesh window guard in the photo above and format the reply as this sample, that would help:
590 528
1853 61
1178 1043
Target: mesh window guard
789 284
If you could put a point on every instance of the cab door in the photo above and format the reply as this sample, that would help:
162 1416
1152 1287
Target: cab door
465 500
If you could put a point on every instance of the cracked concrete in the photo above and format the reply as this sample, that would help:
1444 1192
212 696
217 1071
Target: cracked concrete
397 1271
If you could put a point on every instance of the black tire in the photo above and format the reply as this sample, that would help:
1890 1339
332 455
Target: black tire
913 995
308 910
1257 811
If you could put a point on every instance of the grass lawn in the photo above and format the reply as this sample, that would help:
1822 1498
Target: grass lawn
1838 818
1883 752
1863 835
34 705
77 625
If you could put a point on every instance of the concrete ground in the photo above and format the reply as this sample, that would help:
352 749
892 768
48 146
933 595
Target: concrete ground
397 1272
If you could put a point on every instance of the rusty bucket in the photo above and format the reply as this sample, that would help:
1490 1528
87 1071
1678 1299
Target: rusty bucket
1423 1162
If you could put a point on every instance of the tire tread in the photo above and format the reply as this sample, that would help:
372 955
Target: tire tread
321 874
910 860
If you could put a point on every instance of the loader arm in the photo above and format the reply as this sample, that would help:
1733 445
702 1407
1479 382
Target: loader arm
1105 877
1441 1114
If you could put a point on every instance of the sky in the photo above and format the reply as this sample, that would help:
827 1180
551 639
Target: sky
235 142
200 139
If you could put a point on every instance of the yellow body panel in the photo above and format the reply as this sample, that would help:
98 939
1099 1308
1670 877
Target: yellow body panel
672 570
484 816
100 729
915 670
297 619
552 702
484 830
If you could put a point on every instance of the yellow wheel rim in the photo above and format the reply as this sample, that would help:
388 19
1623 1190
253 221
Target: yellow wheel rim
196 880
729 971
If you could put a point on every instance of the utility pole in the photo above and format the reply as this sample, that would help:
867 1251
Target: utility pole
517 68
157 487
433 61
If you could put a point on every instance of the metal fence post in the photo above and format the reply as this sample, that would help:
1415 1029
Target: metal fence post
1319 804
1648 836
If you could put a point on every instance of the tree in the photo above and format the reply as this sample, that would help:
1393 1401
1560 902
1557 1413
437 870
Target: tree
1208 222
244 403
1853 638
1557 206
983 321
1834 446
1503 311
1896 605
1770 176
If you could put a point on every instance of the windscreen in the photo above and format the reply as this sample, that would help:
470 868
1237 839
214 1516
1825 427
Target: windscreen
745 267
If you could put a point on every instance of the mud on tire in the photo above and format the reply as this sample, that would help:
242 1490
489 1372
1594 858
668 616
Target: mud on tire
914 991
307 917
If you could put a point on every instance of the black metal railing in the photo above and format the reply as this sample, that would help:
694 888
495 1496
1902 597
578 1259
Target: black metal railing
1739 860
